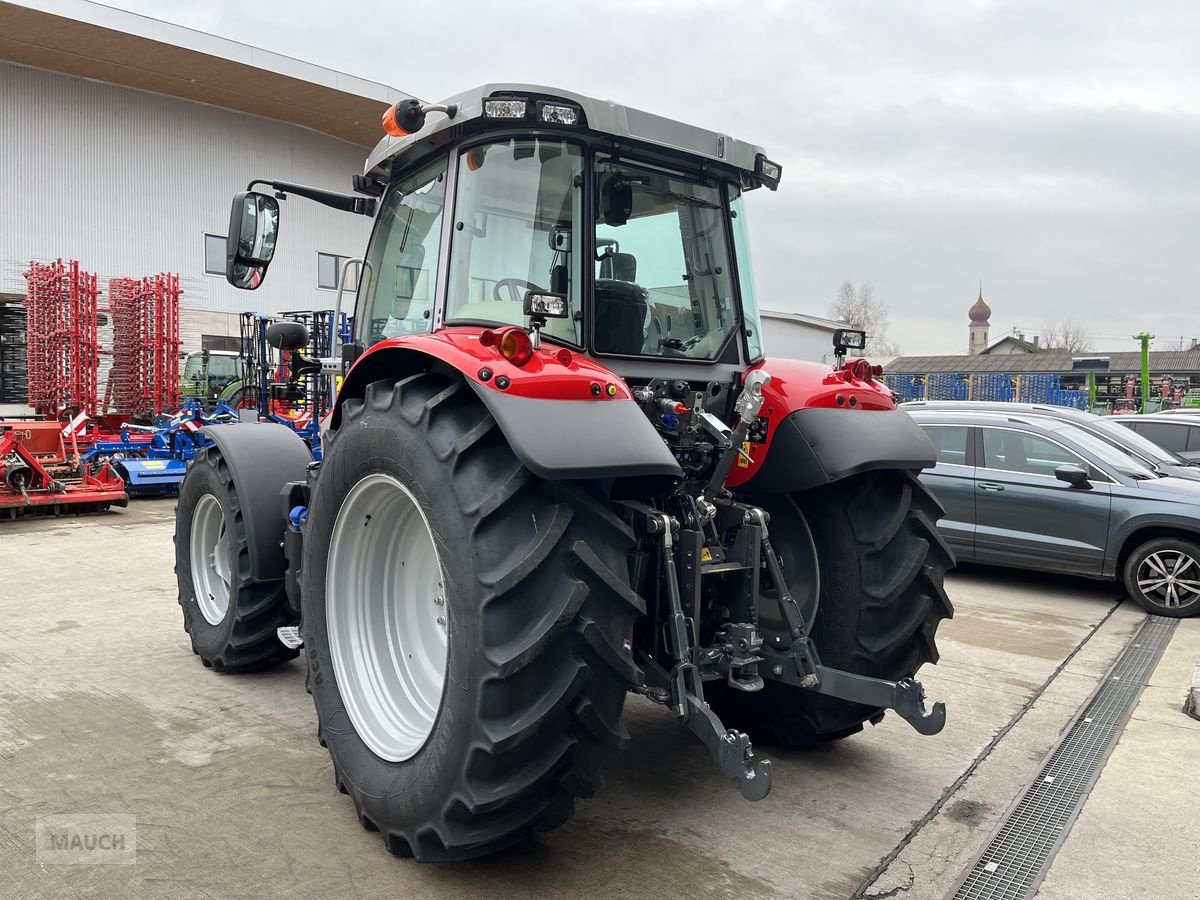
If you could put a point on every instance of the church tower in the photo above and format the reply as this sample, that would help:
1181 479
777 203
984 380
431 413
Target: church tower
979 315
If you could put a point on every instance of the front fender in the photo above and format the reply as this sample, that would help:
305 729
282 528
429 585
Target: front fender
263 459
566 416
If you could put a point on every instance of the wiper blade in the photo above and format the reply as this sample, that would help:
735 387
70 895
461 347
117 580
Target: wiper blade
683 199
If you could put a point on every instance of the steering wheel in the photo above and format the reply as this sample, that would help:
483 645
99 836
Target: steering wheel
513 285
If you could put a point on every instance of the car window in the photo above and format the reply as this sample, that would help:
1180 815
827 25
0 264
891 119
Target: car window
1165 434
950 441
1017 451
1132 440
1193 438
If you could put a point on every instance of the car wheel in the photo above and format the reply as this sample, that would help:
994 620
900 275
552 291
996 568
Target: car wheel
1163 576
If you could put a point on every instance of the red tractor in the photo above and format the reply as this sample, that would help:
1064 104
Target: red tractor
559 470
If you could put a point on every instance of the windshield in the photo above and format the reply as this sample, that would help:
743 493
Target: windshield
219 366
664 284
517 214
1145 447
1104 451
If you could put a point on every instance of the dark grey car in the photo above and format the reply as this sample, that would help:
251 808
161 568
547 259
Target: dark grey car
1110 429
1179 433
1035 493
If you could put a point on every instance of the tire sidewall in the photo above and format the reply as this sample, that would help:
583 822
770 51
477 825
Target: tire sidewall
1135 562
418 786
202 478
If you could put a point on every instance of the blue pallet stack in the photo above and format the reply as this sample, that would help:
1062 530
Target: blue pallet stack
947 386
993 388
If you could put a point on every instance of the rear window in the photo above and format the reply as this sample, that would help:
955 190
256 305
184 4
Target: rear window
950 441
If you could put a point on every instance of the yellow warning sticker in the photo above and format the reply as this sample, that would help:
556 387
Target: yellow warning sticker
154 464
705 555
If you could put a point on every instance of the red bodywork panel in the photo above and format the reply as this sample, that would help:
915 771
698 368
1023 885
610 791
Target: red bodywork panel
556 373
796 384
553 373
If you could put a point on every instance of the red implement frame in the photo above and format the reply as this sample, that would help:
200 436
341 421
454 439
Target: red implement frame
29 487
63 351
144 378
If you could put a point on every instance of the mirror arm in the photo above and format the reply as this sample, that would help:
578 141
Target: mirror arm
364 206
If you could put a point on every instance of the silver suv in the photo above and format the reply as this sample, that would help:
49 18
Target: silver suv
1142 447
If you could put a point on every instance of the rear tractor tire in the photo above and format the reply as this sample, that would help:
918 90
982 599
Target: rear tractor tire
467 625
882 564
230 617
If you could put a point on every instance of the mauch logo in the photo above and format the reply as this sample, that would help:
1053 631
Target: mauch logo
86 839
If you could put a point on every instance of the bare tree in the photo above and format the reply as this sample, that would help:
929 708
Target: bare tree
1068 334
859 308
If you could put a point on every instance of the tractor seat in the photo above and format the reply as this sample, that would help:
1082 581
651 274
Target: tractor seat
620 316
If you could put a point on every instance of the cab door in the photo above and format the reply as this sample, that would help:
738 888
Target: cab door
952 481
1025 516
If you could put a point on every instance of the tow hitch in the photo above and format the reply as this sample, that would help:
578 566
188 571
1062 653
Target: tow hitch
739 652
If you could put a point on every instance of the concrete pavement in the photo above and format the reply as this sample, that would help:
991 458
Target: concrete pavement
103 708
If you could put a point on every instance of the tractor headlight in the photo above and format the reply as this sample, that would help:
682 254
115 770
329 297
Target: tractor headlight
505 107
550 306
558 113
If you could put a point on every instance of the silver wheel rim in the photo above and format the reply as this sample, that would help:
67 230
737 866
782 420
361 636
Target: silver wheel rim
385 608
210 559
1170 578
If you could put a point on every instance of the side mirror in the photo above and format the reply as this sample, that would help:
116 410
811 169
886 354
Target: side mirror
253 226
1072 474
287 336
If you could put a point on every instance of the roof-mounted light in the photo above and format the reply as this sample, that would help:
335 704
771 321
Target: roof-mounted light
769 172
505 107
558 113
408 116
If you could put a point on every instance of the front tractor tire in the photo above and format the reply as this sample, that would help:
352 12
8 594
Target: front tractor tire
881 564
230 617
467 625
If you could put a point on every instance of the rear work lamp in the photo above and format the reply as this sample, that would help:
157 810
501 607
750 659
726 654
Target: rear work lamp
550 306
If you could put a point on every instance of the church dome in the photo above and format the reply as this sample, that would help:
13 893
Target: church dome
980 312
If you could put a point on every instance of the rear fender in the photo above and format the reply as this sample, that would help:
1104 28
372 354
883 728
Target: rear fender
823 425
566 416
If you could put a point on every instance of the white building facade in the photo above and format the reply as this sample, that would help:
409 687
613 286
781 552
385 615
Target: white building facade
133 182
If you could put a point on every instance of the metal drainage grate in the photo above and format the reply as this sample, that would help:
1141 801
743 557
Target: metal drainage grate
1018 854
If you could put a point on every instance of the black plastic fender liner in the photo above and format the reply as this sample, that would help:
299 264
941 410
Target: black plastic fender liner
567 440
813 447
264 458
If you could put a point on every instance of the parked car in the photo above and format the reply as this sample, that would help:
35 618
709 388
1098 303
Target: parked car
1178 433
1107 428
1032 492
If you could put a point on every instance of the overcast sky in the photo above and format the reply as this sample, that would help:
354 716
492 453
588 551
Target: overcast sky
1050 149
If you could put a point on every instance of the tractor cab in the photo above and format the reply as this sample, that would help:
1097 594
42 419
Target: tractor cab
599 228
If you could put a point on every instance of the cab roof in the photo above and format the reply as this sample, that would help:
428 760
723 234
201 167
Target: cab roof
602 116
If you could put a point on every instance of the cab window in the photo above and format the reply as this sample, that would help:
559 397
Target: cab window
663 279
516 219
403 258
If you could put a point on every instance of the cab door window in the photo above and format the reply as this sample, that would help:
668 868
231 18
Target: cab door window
398 292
